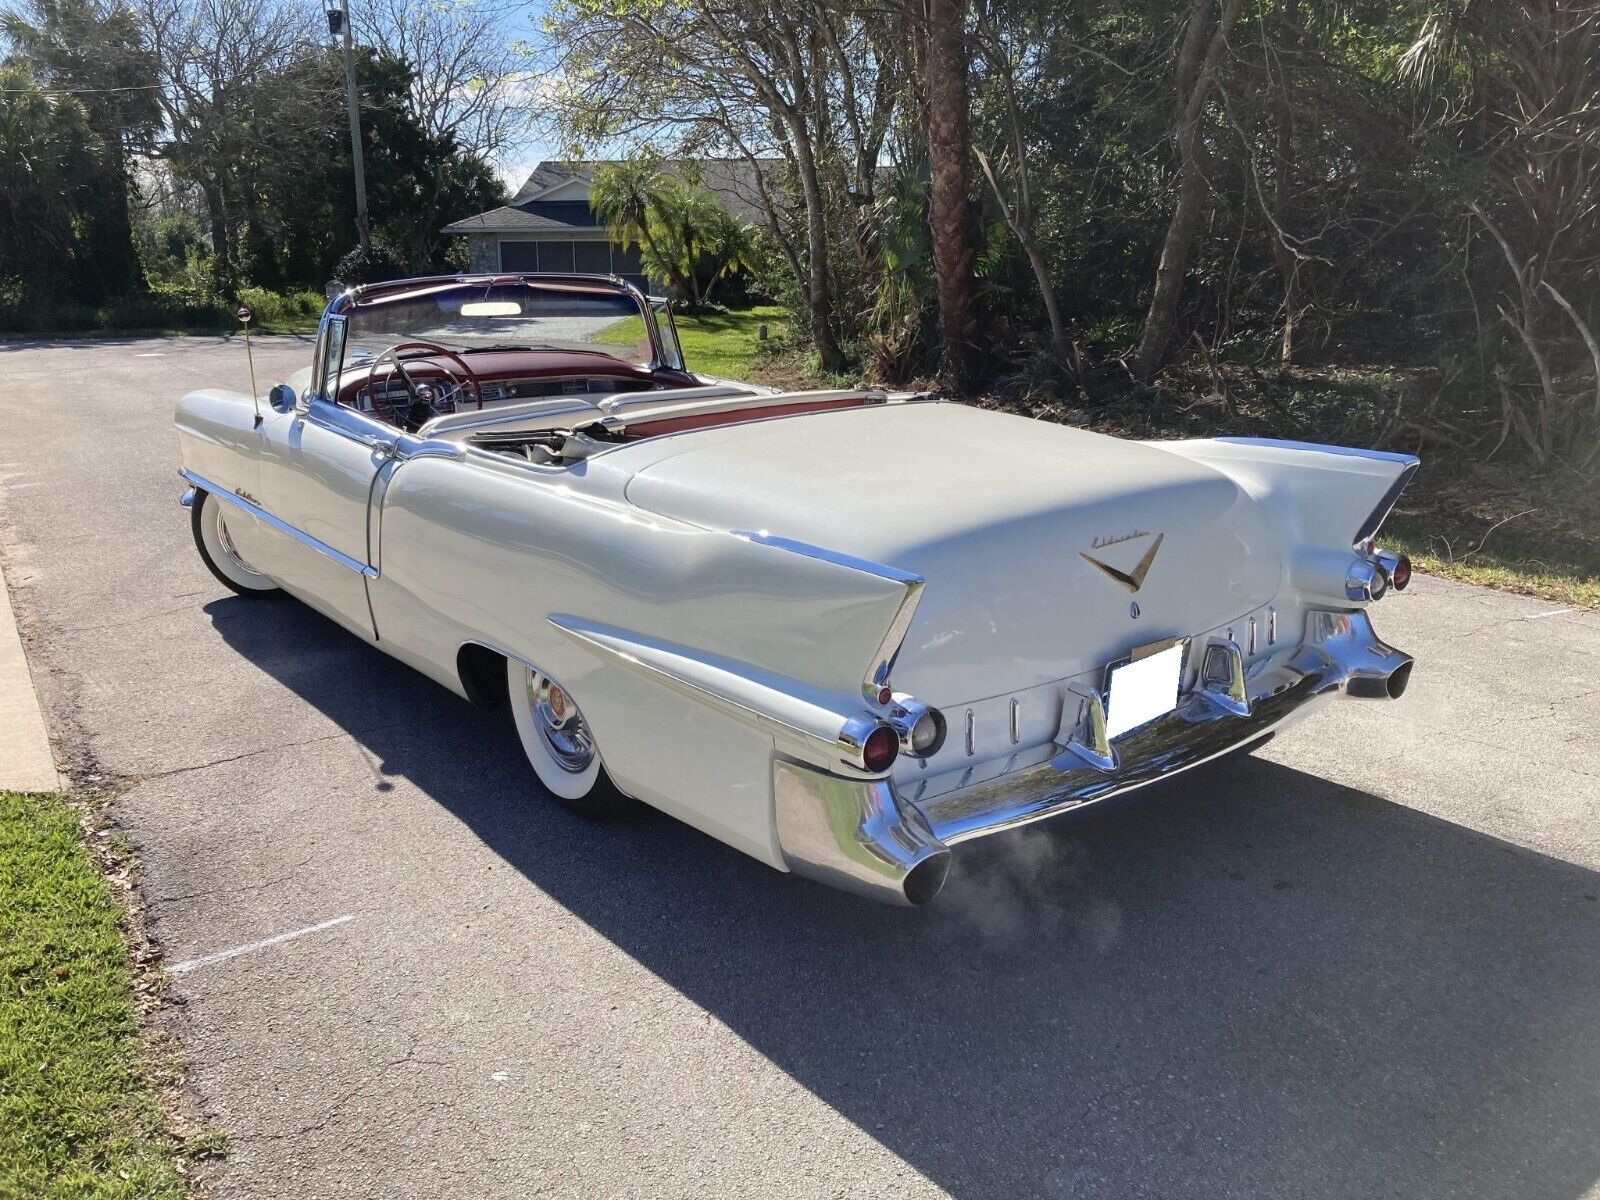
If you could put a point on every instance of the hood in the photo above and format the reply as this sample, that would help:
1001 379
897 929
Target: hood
1001 515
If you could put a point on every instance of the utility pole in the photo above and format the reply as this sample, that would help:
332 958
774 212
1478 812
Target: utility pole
339 22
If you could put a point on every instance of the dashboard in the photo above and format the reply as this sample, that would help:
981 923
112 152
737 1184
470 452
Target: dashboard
389 395
504 377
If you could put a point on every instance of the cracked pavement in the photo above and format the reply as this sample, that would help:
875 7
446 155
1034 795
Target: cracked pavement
1362 962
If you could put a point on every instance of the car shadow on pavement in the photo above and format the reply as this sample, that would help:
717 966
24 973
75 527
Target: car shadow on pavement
1250 981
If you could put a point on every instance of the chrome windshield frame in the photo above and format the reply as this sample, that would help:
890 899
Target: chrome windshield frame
340 306
675 362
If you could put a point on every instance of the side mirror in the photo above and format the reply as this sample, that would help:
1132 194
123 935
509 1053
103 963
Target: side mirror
282 398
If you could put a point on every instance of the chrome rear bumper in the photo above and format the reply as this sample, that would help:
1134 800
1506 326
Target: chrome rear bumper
859 834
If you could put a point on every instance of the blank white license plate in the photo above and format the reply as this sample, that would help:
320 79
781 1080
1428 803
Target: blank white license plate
1144 690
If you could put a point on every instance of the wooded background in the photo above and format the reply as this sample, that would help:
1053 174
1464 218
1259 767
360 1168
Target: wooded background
164 157
1023 198
1082 194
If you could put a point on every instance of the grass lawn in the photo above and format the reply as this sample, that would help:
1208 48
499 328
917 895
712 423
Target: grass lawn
722 344
1549 566
79 1113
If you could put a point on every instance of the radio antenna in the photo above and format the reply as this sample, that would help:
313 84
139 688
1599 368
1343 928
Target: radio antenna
255 397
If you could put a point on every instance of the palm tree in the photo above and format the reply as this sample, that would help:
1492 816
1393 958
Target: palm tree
621 196
681 217
684 234
946 108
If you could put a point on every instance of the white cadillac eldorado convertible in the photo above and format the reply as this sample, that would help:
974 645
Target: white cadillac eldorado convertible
842 631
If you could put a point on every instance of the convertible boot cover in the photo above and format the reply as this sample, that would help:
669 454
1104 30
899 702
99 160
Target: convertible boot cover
1071 532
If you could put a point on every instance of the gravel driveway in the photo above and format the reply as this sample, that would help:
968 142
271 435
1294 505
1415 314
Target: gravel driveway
1363 962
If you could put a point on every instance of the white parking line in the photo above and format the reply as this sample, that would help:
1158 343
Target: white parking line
251 947
1553 613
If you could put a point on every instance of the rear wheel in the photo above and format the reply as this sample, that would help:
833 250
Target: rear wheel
208 518
560 744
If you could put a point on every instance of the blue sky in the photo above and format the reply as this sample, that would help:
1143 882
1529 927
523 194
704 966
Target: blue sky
515 161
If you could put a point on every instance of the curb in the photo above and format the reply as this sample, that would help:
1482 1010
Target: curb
26 764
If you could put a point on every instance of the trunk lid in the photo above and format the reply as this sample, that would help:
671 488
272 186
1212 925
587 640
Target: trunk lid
1037 541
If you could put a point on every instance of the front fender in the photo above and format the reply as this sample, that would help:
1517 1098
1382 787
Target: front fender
217 439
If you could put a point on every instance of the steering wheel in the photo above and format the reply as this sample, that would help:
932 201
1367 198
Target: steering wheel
424 395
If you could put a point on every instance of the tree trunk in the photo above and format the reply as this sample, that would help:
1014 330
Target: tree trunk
1287 263
1196 75
112 257
1052 310
819 300
221 238
1018 216
949 195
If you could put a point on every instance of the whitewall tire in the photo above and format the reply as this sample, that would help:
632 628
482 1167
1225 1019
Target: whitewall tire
208 518
560 744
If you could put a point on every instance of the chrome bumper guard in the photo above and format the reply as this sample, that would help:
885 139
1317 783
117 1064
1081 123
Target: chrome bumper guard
860 835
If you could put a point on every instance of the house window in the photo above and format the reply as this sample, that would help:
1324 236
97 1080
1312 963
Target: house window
519 256
555 256
625 260
591 258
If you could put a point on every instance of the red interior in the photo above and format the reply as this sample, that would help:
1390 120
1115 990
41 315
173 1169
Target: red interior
494 366
728 416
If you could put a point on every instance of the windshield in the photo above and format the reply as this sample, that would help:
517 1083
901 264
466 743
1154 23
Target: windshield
502 315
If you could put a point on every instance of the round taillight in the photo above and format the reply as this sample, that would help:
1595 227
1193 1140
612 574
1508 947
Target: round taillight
879 750
885 694
1401 575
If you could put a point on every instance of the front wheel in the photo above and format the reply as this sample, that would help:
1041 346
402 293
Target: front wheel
560 744
208 518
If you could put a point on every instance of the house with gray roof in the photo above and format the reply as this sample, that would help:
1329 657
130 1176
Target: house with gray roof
550 226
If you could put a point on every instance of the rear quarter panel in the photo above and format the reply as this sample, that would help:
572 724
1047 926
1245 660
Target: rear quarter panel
1317 498
473 551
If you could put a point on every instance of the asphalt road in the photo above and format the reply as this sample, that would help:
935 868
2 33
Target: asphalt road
1364 962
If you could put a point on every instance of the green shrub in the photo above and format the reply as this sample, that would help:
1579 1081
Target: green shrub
375 264
281 308
166 306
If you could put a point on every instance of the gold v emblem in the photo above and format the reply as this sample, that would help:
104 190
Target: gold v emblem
1132 580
